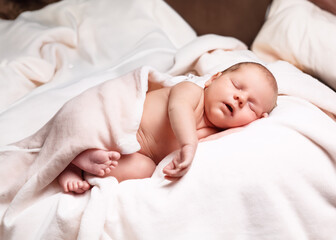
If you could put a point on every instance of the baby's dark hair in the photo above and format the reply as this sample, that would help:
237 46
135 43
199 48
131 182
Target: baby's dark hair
269 76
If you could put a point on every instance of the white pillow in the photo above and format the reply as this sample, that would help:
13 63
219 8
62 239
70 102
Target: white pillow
301 33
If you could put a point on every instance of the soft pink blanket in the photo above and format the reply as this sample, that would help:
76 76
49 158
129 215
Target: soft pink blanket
106 116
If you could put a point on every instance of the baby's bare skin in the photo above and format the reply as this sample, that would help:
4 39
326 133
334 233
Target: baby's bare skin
176 119
155 137
155 133
95 161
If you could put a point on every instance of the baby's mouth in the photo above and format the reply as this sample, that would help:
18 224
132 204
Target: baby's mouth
229 107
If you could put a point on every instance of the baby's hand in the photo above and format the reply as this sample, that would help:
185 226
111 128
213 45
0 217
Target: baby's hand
180 163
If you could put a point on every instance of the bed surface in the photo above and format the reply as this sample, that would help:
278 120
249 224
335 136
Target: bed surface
275 179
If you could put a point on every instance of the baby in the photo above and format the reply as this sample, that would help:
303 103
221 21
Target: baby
176 118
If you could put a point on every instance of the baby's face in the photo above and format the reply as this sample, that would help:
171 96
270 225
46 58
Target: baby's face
237 98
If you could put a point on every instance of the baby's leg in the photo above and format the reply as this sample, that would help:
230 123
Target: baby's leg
71 180
133 166
96 161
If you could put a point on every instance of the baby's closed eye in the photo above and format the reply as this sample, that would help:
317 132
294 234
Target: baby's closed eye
235 84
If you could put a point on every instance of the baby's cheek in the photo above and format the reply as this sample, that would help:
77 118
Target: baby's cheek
247 117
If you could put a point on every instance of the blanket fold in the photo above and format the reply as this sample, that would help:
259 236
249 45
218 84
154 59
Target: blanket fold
275 179
106 117
56 43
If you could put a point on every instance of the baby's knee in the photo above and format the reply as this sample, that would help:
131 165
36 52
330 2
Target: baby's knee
133 166
143 166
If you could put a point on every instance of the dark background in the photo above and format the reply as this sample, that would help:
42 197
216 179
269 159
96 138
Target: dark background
241 19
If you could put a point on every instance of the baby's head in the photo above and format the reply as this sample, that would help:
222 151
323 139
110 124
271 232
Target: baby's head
239 95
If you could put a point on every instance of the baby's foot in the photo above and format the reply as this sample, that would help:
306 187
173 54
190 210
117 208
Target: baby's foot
71 181
96 161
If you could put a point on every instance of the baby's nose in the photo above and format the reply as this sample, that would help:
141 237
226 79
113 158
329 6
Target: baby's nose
241 98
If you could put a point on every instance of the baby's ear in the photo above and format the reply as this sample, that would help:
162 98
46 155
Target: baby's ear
216 75
207 83
264 115
211 79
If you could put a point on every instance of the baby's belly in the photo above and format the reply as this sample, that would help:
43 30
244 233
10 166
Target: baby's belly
156 146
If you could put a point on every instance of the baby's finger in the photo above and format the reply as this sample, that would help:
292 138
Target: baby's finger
183 165
176 172
169 166
170 172
180 173
173 179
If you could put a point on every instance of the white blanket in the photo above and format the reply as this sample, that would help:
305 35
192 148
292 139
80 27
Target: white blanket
275 179
76 44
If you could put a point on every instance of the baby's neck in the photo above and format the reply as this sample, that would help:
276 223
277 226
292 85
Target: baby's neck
205 123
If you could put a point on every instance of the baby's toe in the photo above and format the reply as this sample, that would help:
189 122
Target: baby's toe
74 186
101 173
83 186
113 155
79 190
66 187
107 170
70 186
78 187
86 186
114 164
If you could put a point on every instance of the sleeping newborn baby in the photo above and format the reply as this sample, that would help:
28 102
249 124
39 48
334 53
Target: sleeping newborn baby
176 118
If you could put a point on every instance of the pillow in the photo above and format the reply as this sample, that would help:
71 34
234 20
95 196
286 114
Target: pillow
303 34
328 5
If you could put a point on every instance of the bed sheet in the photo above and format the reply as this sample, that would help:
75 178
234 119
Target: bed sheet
72 45
275 179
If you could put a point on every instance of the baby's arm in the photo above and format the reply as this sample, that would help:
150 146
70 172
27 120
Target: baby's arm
183 100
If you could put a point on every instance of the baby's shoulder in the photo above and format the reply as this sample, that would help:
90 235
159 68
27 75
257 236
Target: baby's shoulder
198 80
188 86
